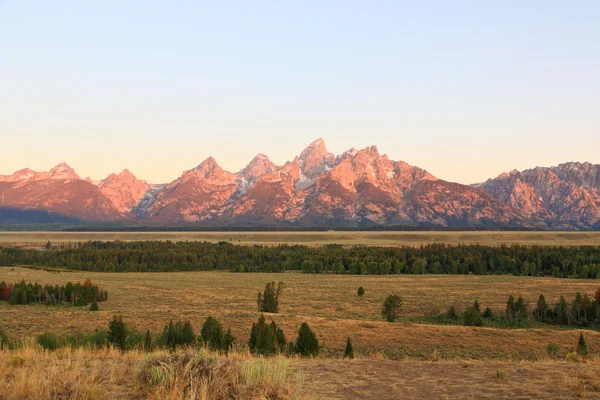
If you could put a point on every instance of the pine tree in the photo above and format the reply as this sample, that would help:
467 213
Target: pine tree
349 351
148 342
228 341
211 334
307 343
94 305
581 346
361 291
48 245
264 337
488 313
117 333
268 301
476 306
452 314
391 308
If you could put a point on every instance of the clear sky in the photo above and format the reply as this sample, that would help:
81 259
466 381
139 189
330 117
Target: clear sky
464 89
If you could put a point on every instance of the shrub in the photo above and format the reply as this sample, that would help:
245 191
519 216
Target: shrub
500 374
572 357
361 291
307 343
16 361
581 346
452 314
268 301
94 305
349 351
553 349
117 333
266 339
391 308
472 317
488 313
48 341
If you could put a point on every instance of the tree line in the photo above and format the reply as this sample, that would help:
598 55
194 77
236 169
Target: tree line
76 294
582 311
165 256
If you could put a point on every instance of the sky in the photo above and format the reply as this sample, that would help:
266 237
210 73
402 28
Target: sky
464 89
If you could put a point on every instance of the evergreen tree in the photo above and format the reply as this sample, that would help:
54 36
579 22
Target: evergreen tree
488 313
117 333
94 306
472 317
391 308
266 338
476 306
361 291
541 310
268 301
349 351
48 245
228 341
452 314
212 334
148 341
307 343
581 346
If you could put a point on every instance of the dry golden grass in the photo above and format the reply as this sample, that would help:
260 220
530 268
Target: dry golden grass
317 238
327 302
194 374
197 374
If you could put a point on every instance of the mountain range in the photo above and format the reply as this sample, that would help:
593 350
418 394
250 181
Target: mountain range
358 188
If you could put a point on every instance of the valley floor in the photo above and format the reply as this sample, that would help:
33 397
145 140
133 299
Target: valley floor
31 373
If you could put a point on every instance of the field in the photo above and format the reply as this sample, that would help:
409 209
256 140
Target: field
409 358
327 302
491 238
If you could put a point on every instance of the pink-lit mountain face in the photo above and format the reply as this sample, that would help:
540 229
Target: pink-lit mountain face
316 189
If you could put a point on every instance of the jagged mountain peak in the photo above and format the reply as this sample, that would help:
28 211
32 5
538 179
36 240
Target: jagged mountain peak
259 165
63 171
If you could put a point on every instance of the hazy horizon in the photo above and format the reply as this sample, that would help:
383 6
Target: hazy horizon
466 91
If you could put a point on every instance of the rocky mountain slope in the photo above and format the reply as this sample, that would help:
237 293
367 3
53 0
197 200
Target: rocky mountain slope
563 197
358 188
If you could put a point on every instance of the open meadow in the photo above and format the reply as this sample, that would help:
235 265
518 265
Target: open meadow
491 238
329 303
409 358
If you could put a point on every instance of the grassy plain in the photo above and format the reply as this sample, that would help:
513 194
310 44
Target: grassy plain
31 373
329 303
492 238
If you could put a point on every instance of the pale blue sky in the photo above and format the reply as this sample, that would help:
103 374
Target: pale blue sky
464 89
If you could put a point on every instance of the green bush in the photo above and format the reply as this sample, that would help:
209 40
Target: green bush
361 291
48 341
94 306
553 349
391 308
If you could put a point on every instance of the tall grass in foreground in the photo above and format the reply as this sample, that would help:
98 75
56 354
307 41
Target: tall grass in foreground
30 372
